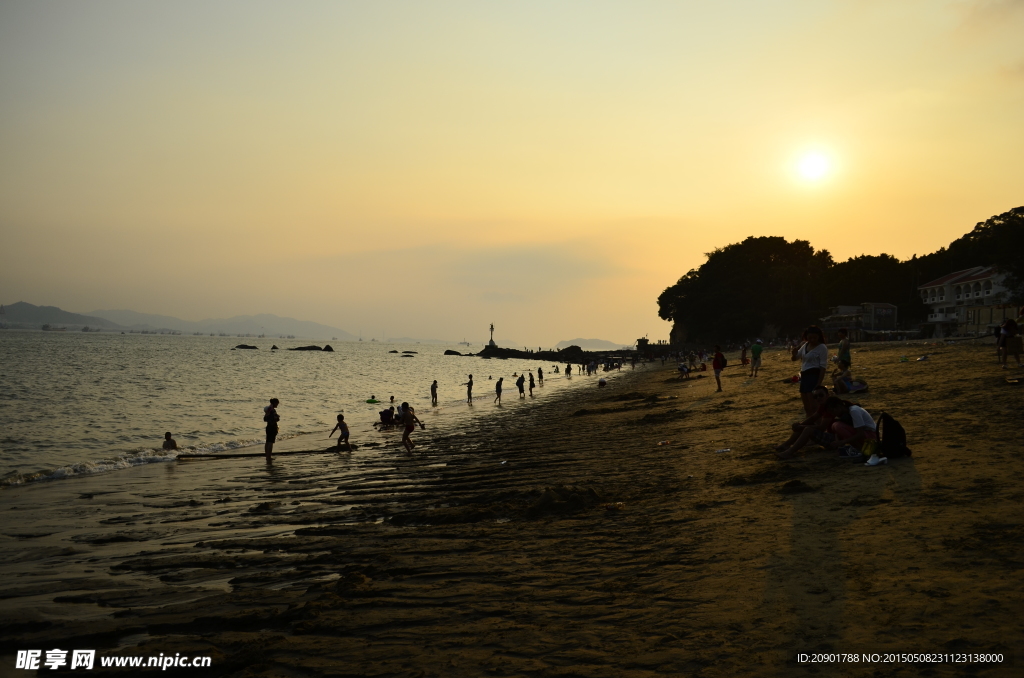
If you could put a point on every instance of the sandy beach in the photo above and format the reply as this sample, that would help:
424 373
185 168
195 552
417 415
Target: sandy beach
566 540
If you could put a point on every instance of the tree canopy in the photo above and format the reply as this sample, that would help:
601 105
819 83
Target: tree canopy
768 282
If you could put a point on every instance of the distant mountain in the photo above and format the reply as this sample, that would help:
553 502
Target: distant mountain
146 321
592 344
265 323
23 315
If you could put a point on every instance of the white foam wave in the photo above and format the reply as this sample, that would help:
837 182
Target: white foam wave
129 459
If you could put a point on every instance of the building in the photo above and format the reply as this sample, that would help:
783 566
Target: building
870 320
970 302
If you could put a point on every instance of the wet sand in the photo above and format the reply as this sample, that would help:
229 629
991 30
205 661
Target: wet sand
564 540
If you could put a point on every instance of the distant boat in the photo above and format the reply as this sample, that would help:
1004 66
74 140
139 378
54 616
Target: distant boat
51 328
464 342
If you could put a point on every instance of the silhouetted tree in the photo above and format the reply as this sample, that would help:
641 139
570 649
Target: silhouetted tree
768 280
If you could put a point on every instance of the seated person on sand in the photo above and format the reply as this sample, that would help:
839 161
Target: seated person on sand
387 417
843 381
815 427
853 426
169 442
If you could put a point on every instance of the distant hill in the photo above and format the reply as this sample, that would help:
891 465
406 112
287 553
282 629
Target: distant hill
23 315
592 344
265 323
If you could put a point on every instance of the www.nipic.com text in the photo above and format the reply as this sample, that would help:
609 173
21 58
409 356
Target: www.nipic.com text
32 660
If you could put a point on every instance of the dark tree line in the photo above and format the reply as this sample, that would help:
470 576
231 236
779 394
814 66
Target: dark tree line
771 283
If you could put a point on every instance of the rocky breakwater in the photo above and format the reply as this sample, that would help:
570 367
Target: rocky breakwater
570 354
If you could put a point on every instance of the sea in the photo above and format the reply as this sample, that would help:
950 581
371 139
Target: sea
74 404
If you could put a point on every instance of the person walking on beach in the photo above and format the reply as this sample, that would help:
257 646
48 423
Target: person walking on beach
271 417
531 384
410 420
521 385
342 428
469 390
755 357
813 354
843 351
169 442
718 364
497 390
433 393
1008 341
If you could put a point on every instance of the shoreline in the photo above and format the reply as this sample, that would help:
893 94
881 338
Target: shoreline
594 549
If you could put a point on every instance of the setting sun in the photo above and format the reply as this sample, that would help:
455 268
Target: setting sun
814 166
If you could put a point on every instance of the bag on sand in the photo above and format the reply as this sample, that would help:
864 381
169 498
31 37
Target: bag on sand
892 438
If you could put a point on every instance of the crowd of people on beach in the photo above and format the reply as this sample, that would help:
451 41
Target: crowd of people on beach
404 415
829 420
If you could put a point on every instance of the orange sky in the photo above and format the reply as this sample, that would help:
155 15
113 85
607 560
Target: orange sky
424 169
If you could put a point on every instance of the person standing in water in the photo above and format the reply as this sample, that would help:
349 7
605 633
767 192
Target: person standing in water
469 390
433 393
531 384
169 442
497 390
342 428
271 417
540 375
410 420
521 384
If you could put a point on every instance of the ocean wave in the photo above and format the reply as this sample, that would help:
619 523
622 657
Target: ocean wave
129 459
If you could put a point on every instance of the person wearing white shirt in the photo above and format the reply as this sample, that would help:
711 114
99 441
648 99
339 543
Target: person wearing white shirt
860 429
813 354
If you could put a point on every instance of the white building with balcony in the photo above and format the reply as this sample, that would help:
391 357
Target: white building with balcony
957 302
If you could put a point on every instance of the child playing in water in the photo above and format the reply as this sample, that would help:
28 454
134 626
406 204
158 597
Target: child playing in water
342 429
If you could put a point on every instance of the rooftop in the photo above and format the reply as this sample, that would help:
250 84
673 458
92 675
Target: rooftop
968 274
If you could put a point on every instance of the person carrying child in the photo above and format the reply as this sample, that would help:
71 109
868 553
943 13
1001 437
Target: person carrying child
813 354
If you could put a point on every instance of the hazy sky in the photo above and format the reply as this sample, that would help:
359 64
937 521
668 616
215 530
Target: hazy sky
426 168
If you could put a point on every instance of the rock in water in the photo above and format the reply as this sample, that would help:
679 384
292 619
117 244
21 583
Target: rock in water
328 348
274 347
451 352
306 348
246 346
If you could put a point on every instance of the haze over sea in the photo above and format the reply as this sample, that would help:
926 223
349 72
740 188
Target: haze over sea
76 404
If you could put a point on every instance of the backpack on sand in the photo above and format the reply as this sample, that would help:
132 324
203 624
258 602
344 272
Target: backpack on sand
892 438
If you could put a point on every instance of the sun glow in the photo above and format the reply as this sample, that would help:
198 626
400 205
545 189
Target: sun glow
814 166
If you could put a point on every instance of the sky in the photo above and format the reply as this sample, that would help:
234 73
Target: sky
424 169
